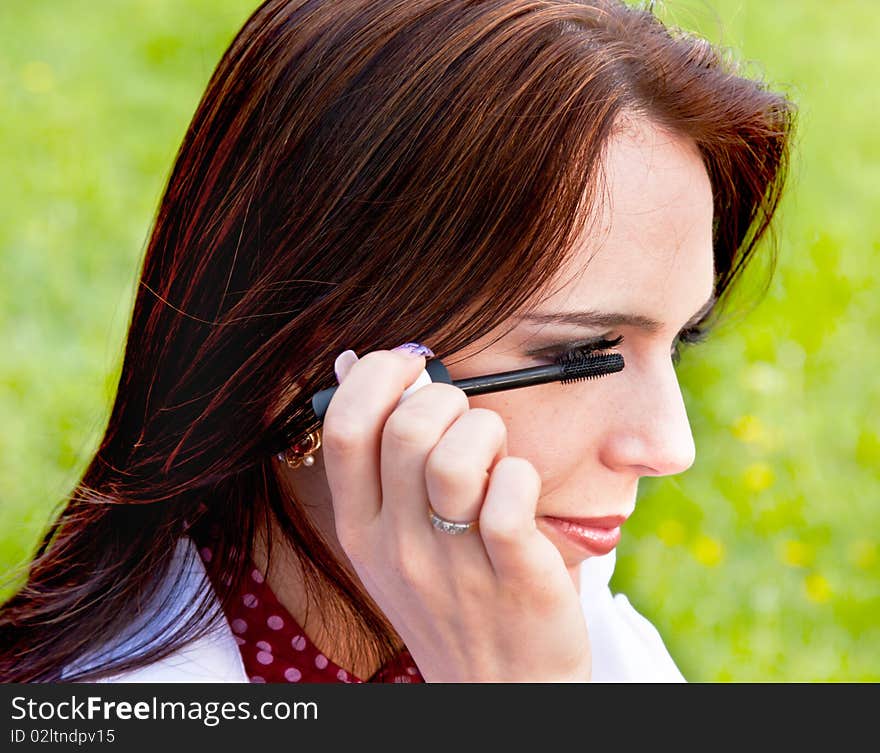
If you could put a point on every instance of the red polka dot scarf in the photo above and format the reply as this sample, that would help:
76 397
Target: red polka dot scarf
274 648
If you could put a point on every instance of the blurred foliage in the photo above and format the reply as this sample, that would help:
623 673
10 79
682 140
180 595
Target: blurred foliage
760 563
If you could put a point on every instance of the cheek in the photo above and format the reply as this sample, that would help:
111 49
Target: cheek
549 434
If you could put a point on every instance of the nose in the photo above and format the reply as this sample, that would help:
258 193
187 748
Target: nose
650 433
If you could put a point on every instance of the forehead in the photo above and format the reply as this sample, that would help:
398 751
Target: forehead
648 248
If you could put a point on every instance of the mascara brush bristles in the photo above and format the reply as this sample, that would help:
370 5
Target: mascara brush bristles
596 365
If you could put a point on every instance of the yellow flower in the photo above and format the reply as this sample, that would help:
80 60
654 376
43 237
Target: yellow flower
748 429
796 553
818 588
708 551
671 532
758 476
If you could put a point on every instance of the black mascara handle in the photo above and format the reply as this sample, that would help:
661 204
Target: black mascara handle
506 380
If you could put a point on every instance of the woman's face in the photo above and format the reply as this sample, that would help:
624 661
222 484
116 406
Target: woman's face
650 257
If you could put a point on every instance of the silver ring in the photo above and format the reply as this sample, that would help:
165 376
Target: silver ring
449 526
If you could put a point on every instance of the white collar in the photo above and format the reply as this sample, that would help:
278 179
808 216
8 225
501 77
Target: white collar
214 657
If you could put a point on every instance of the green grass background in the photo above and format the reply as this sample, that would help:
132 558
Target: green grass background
758 564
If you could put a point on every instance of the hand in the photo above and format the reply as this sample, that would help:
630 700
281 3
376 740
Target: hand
494 604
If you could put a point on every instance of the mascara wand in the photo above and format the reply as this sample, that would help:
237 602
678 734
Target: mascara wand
569 367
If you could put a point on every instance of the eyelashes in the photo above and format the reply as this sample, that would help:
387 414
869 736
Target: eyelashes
688 336
591 347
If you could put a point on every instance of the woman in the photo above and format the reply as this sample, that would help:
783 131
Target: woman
504 181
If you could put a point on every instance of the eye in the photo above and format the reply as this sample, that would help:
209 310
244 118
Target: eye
587 348
687 336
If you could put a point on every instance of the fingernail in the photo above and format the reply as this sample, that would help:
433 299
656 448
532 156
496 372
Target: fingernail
415 349
344 362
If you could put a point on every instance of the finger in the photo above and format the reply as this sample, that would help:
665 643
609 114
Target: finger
352 433
517 549
458 469
344 361
410 434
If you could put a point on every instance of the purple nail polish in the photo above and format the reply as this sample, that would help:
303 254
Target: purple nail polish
416 349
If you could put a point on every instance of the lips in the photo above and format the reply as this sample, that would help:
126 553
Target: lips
596 536
609 521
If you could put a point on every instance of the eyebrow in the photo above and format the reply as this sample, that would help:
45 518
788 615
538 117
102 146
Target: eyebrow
608 319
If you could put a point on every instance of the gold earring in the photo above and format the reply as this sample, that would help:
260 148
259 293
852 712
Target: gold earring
303 452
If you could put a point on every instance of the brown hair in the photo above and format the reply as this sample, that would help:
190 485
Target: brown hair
358 174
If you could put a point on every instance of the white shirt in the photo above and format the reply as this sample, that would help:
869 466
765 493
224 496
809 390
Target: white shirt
626 647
